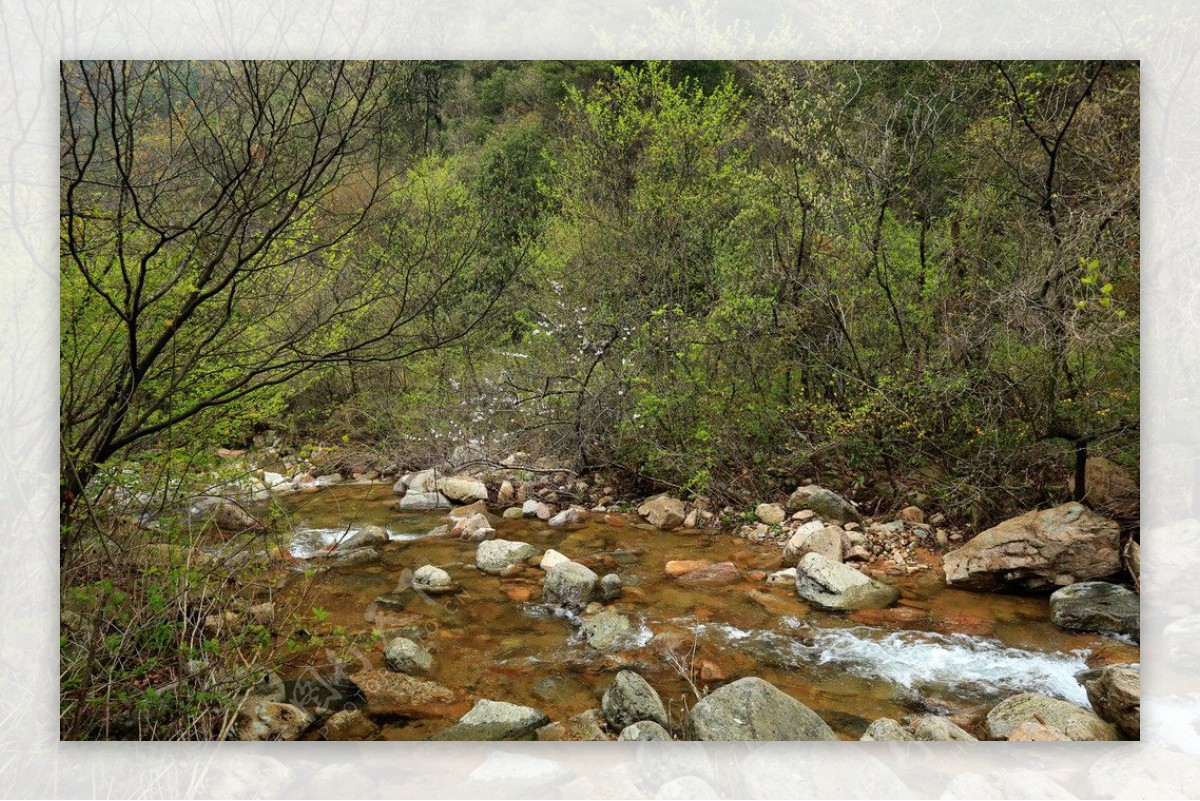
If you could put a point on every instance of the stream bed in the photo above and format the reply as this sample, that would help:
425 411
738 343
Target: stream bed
939 650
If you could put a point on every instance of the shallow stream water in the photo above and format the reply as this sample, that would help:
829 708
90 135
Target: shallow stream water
939 650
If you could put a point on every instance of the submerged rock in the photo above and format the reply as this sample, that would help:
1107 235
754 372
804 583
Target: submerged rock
495 720
405 656
1116 695
630 699
607 630
401 695
493 556
825 503
663 511
713 575
753 709
367 535
1038 551
832 585
1073 722
1097 606
569 585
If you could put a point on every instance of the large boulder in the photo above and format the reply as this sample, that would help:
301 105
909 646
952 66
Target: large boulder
630 699
1073 722
464 489
663 511
753 709
1037 552
833 585
569 585
1097 606
405 656
495 720
401 695
1115 692
825 503
810 538
493 556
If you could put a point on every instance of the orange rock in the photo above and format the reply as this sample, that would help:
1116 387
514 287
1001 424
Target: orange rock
1032 731
678 567
709 671
616 520
722 573
518 593
756 575
702 613
965 623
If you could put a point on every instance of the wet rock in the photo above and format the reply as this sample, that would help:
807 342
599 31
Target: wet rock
343 559
495 720
825 540
463 489
644 731
401 695
770 513
1038 551
1033 732
938 729
663 511
585 727
569 585
551 558
571 516
780 607
630 699
610 587
1073 722
512 513
825 503
367 535
349 724
753 709
1116 695
885 730
493 556
475 528
713 575
258 719
607 630
679 567
911 514
433 581
405 656
783 578
832 585
414 501
1097 606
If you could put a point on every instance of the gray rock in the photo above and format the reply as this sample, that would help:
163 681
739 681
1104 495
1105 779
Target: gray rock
630 699
1038 551
551 558
610 587
932 728
569 585
433 581
825 503
832 585
493 556
885 730
663 511
1116 695
349 724
1097 606
356 557
825 540
530 507
475 528
414 501
585 727
786 577
770 513
607 630
753 709
571 516
643 731
464 489
495 720
1073 722
367 535
405 656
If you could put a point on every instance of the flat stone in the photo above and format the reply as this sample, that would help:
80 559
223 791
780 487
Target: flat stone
1097 606
493 556
713 575
495 720
401 695
1073 722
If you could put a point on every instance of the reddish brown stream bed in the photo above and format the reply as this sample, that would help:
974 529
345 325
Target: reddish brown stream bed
940 650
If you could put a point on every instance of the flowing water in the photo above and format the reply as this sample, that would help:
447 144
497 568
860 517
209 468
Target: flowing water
939 650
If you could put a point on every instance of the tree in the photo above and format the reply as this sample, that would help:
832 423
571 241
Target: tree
221 236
